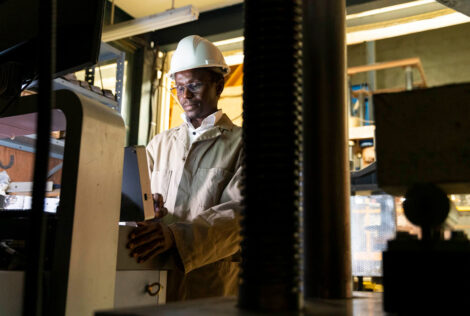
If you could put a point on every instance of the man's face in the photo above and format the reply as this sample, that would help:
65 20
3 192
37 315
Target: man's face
197 93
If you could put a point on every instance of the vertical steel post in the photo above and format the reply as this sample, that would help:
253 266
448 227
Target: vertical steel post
408 78
272 134
371 59
327 253
119 79
34 296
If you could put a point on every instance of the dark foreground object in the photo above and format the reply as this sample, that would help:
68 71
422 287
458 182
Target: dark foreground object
361 304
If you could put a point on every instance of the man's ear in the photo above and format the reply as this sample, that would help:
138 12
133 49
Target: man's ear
220 87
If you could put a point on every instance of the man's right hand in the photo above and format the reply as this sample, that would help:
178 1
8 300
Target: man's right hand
150 239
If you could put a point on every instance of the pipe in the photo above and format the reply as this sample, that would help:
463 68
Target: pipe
327 253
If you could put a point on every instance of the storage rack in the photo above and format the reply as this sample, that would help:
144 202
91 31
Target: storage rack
107 54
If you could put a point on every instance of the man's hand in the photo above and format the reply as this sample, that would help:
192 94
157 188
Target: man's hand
158 205
150 239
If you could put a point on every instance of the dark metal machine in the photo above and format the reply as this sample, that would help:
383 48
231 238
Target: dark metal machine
423 151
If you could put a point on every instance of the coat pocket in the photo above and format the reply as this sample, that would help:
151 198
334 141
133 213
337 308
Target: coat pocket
209 185
160 182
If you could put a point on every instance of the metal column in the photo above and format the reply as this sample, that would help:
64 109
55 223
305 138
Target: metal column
327 251
272 134
371 59
408 78
35 298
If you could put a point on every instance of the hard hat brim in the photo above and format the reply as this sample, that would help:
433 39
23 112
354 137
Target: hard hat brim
224 70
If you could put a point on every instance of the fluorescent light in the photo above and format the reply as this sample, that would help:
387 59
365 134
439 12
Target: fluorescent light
399 29
388 9
150 23
230 41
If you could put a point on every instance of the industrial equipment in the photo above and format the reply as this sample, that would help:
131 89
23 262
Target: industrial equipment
422 152
82 236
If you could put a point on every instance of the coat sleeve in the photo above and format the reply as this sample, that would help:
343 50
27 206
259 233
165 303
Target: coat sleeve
215 233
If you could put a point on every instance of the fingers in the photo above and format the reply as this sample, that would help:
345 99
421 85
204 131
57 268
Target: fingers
158 205
158 200
150 254
159 213
148 250
145 249
144 239
148 240
144 228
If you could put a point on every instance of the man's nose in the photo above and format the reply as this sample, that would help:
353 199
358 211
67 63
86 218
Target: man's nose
187 94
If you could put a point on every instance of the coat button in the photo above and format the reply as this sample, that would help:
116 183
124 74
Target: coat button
184 158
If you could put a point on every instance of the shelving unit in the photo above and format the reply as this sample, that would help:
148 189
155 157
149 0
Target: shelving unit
107 54
23 141
27 143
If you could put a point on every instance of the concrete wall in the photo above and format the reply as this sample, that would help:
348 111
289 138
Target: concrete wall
444 53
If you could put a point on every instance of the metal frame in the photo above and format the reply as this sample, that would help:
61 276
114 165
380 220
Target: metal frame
107 54
91 176
27 144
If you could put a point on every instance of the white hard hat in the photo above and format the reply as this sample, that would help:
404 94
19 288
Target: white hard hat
196 52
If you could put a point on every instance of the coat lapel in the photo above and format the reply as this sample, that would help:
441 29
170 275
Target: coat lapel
182 136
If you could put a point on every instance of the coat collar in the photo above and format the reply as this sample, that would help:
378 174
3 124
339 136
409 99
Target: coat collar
224 124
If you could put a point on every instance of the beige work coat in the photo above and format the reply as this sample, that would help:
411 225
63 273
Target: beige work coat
200 187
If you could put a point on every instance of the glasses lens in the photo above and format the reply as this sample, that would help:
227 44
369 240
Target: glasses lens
195 87
192 87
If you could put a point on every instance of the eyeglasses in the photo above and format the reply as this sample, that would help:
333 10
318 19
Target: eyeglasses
193 87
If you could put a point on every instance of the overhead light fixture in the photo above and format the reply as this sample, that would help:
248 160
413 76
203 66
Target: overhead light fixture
391 8
150 23
394 28
399 19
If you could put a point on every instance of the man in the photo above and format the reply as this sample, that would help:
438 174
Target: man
196 169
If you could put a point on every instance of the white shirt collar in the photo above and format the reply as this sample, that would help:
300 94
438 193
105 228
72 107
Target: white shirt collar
209 121
206 124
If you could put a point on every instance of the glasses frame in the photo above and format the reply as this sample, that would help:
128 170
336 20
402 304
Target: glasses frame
193 87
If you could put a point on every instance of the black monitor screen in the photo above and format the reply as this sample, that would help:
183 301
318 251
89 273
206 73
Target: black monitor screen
79 25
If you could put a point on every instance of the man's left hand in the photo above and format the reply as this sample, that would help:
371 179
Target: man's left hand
150 239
